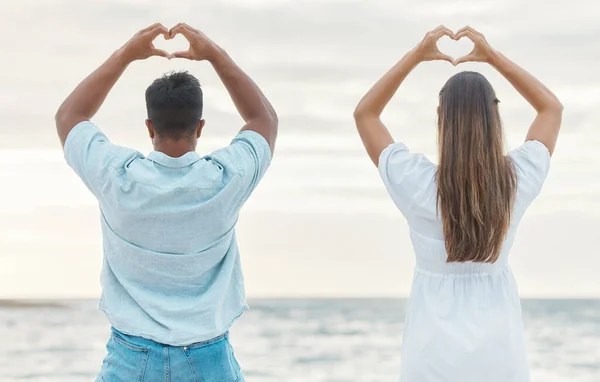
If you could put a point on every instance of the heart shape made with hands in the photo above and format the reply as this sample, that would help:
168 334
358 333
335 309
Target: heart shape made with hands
455 48
175 44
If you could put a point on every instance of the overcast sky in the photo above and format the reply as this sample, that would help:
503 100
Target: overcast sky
321 223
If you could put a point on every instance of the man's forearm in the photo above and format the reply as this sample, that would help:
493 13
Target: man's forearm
249 100
83 103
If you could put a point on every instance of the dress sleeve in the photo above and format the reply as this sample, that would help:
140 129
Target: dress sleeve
532 163
404 174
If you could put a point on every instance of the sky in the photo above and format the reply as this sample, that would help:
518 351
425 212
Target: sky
320 224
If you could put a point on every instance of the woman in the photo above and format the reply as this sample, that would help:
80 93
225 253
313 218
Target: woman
463 322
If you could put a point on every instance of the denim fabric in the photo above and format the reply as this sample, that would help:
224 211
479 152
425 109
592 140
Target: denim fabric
171 270
135 359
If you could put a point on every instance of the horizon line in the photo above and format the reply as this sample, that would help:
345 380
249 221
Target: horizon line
9 300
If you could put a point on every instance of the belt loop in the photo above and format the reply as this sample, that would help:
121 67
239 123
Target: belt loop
167 363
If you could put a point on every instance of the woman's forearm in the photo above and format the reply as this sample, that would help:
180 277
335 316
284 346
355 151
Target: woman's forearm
373 103
538 95
375 136
372 131
546 125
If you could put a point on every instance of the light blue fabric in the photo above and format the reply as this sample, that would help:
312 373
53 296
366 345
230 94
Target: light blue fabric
171 269
132 358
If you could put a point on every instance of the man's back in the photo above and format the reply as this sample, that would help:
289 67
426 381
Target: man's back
172 283
171 262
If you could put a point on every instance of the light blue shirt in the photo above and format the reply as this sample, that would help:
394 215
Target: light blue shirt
171 271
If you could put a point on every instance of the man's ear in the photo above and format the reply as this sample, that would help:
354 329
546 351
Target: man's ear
199 128
150 128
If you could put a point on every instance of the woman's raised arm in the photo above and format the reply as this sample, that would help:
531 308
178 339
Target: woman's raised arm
546 125
373 132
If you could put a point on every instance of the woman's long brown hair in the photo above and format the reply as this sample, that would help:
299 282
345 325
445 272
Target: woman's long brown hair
476 182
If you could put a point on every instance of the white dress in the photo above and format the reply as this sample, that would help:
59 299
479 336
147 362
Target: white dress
463 321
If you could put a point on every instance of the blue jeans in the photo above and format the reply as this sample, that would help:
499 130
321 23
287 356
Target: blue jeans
133 358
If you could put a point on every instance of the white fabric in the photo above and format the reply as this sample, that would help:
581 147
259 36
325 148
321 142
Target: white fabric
463 322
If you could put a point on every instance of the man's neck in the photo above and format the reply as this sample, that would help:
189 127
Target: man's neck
174 149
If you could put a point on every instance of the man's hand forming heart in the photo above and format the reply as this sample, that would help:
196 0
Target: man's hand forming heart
201 47
141 47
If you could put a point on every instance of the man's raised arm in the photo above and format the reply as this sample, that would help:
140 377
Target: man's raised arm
83 103
249 100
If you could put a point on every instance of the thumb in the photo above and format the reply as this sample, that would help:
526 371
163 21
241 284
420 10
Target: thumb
183 54
445 57
160 52
462 59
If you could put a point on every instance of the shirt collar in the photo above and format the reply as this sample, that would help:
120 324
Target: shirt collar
185 160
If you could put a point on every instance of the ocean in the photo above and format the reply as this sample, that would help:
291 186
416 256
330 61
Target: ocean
292 340
320 223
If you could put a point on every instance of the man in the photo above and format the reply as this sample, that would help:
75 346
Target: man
172 283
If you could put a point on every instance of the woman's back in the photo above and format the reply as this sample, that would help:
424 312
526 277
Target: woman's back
464 318
410 179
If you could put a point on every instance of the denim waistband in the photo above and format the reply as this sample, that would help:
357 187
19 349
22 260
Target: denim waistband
144 342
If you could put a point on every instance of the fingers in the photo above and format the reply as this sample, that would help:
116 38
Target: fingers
154 28
184 25
437 29
442 32
151 27
468 28
157 30
445 57
182 54
438 33
469 32
460 60
186 30
470 35
161 53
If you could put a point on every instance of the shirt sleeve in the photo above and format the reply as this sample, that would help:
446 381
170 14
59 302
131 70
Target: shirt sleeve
532 164
404 174
90 154
249 155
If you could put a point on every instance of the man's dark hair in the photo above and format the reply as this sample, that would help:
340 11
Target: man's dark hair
174 104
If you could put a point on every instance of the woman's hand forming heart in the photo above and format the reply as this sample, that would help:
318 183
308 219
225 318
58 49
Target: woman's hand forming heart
482 51
427 50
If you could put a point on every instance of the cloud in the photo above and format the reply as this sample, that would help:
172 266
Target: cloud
56 252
